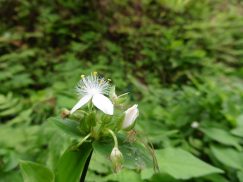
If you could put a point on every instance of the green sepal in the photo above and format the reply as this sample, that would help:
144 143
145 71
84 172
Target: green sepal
112 93
119 122
122 99
91 119
106 119
77 115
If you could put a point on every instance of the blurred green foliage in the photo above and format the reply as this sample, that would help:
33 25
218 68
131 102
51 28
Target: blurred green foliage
181 60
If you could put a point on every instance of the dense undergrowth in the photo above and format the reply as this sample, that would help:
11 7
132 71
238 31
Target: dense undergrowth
182 59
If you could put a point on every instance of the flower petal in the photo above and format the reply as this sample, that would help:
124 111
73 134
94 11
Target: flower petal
103 103
80 103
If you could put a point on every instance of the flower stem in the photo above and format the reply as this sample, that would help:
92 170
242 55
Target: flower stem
114 137
84 139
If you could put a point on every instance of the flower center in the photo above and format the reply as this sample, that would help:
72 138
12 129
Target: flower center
93 91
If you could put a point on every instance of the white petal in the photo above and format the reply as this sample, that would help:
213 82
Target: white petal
103 103
80 103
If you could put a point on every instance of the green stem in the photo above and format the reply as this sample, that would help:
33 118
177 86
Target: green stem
84 139
114 137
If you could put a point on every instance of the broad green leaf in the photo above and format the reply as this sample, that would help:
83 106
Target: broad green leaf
238 131
240 176
68 126
99 163
181 164
33 172
72 162
159 177
239 120
94 176
124 176
147 173
222 136
214 178
14 176
57 145
151 175
228 156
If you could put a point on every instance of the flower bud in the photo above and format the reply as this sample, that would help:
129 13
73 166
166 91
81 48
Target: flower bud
130 116
65 113
116 159
117 100
112 94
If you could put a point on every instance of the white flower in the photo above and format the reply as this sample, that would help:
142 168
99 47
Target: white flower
130 116
94 88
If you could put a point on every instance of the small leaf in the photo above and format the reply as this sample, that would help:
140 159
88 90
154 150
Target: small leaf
181 164
33 172
71 164
68 126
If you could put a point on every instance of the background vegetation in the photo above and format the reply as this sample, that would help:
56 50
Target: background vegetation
181 60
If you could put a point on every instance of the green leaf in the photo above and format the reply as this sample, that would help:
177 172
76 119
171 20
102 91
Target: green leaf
181 164
238 131
222 136
72 162
124 176
163 177
33 172
14 176
228 156
214 178
99 163
240 176
149 174
68 126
